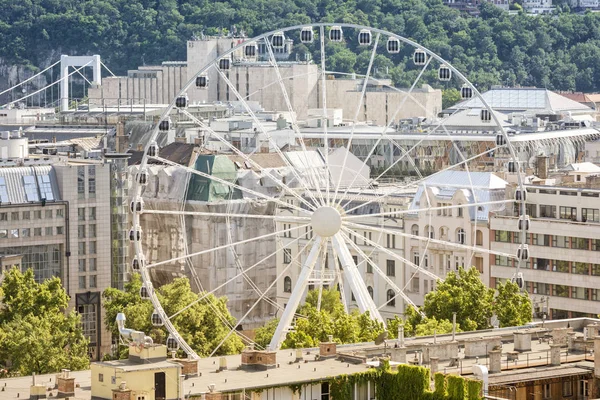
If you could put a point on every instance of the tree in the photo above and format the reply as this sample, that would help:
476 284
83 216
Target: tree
511 306
203 325
37 334
461 292
450 97
431 326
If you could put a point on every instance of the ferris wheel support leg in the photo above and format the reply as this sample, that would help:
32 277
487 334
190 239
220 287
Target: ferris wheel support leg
295 297
355 281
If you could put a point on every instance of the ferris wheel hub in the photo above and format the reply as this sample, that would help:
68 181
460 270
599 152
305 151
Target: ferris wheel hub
326 221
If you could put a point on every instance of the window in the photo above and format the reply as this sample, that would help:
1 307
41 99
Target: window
92 264
31 190
414 230
390 268
391 298
92 230
415 284
561 266
596 244
502 236
37 214
287 256
81 248
82 265
93 214
479 238
460 211
93 281
45 187
547 211
3 233
444 233
14 216
100 377
460 236
580 293
25 232
81 182
81 231
567 388
49 231
3 216
425 261
560 241
590 215
14 233
287 284
3 191
82 282
416 258
503 261
580 243
92 248
430 232
48 214
370 290
391 241
568 213
59 230
37 231
325 391
81 213
26 215
92 181
560 290
541 288
583 388
59 213
547 391
580 268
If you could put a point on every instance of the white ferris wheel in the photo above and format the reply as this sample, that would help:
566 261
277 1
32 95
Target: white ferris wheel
325 211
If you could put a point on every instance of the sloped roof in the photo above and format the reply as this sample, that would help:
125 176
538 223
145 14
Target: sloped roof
471 118
583 167
13 179
180 153
521 99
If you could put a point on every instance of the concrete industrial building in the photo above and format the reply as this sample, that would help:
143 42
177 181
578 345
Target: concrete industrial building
50 213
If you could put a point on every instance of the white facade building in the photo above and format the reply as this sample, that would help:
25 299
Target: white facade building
444 240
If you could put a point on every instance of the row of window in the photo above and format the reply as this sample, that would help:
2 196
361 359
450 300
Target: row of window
27 215
91 181
91 283
27 232
573 267
91 249
572 292
88 265
90 231
91 213
564 212
538 239
460 234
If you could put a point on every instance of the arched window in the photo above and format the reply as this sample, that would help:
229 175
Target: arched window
479 238
287 284
460 236
415 230
391 298
430 232
370 290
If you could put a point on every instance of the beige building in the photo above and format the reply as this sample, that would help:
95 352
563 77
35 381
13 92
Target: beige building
51 220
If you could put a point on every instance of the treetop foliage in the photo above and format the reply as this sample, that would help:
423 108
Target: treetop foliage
36 335
559 51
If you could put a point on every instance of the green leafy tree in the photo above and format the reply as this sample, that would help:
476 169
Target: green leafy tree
511 306
450 97
37 334
203 325
463 293
430 326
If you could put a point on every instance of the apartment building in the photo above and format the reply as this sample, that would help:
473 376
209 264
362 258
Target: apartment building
52 220
454 234
563 273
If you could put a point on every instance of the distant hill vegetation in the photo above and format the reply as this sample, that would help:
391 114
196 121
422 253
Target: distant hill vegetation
561 51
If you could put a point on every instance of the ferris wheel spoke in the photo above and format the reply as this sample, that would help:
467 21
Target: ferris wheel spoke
225 246
339 278
355 121
390 282
435 241
230 184
264 132
394 255
416 183
297 131
225 215
325 119
388 126
348 219
249 160
222 285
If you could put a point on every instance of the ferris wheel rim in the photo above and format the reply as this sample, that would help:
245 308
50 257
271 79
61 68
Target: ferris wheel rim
137 188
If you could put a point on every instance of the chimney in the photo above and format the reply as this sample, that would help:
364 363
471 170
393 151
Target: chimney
66 384
328 349
434 365
121 393
495 361
555 354
258 359
36 392
522 340
542 166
